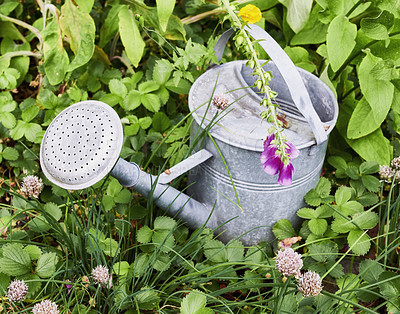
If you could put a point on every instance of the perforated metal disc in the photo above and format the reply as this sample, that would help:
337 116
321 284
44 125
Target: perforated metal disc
81 145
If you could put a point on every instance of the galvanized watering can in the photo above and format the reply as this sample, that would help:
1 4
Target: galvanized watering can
82 145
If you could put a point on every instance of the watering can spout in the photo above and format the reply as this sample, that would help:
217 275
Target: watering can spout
176 203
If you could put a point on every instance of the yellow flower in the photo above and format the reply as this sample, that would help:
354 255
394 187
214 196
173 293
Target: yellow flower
250 14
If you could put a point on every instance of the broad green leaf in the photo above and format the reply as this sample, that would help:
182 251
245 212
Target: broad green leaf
161 122
121 268
369 167
80 29
307 213
340 40
85 5
130 35
164 222
132 100
373 147
283 229
234 251
298 13
378 27
145 122
193 302
337 162
214 251
381 101
110 26
371 183
162 71
151 102
114 187
365 220
46 265
162 262
342 195
123 197
33 282
8 120
350 208
165 239
164 11
144 234
146 298
359 242
323 187
323 211
318 226
109 247
324 252
300 58
33 251
4 283
148 87
53 210
370 270
364 120
312 198
389 286
15 260
140 264
30 113
10 153
182 87
118 88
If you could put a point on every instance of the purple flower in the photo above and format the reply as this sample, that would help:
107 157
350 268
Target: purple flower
69 287
273 163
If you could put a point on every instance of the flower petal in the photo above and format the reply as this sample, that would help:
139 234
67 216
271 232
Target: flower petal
292 150
268 153
269 139
273 165
286 174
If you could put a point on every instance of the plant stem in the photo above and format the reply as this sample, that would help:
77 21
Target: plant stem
22 53
126 63
25 25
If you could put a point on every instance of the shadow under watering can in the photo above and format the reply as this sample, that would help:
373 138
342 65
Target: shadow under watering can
83 143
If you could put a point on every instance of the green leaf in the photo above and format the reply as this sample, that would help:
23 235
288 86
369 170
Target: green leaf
121 268
365 220
33 251
364 121
283 229
110 26
234 251
53 210
298 13
300 58
337 162
109 247
118 88
114 187
359 242
130 35
342 195
193 302
381 101
370 270
324 252
151 102
164 222
8 120
340 40
148 87
214 250
85 5
145 122
306 213
318 226
10 153
123 197
162 262
162 71
369 167
378 28
15 260
144 234
80 29
165 239
312 198
371 183
164 11
46 265
161 122
147 299
132 100
389 286
4 283
140 264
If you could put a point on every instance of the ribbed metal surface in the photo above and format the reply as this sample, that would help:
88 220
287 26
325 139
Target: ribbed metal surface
81 145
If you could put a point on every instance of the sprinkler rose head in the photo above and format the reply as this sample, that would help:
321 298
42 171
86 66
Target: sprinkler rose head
81 145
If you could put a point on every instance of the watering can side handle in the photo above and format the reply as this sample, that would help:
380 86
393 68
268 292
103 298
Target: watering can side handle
289 73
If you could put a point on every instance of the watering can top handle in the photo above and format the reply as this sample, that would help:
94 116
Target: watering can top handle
288 71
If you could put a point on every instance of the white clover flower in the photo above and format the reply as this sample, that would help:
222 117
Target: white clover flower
32 186
17 291
220 101
386 173
288 262
101 275
396 163
310 284
45 307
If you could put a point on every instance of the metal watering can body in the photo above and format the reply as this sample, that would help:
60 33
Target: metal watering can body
82 145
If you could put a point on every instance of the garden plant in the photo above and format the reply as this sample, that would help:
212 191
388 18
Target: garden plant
109 249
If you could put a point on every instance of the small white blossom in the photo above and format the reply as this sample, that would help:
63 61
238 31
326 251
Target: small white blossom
32 186
288 262
396 163
17 291
45 307
220 101
101 275
310 284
